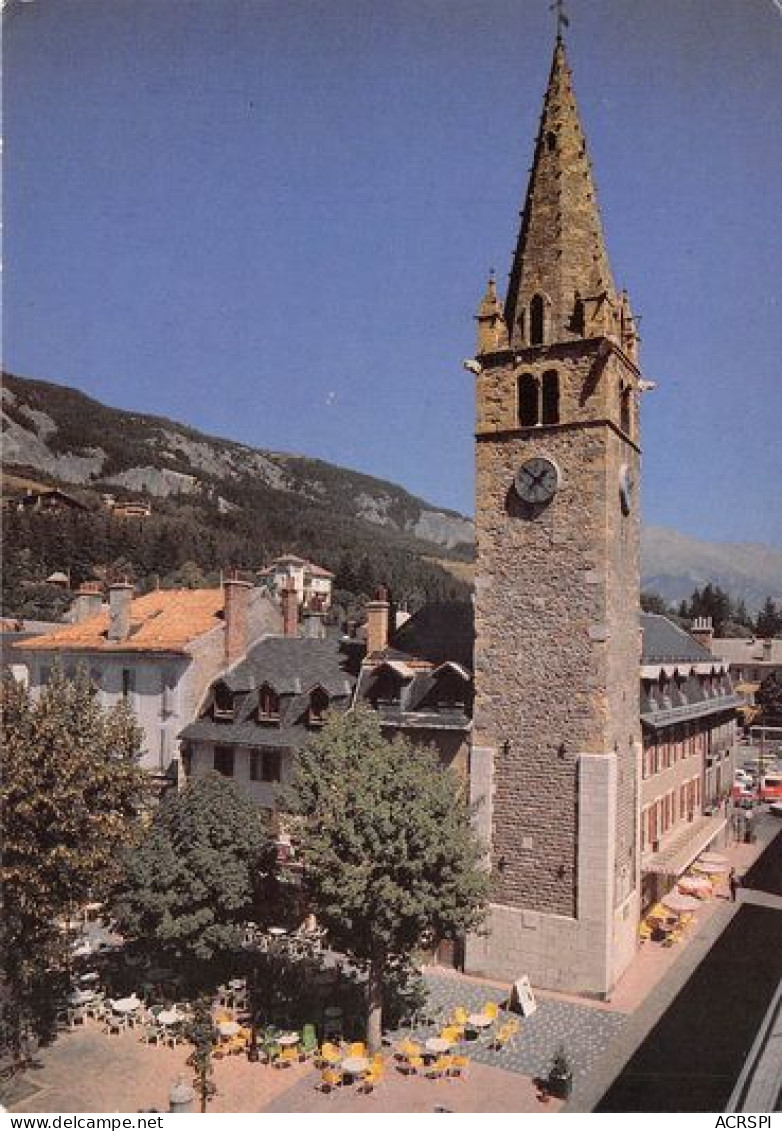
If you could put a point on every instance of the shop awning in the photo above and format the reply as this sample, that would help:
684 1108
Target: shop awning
680 852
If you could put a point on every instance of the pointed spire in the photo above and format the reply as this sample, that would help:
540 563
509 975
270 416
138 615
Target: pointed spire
561 286
492 331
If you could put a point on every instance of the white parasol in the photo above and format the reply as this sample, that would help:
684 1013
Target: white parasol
678 902
712 869
693 884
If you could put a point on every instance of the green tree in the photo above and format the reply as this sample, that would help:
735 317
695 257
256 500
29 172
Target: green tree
769 622
70 793
195 876
652 602
714 602
769 698
202 1035
390 856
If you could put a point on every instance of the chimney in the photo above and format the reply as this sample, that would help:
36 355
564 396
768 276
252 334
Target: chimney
768 646
88 601
377 622
290 611
120 597
313 624
703 632
236 597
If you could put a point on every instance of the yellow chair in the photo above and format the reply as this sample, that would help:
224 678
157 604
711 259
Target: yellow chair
358 1048
502 1037
287 1057
491 1009
412 1065
440 1067
329 1054
451 1033
644 931
408 1047
373 1075
330 1078
459 1065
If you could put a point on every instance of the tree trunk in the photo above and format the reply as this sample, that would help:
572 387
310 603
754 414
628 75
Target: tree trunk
375 1004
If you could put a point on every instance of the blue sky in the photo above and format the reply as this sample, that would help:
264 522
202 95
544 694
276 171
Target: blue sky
273 220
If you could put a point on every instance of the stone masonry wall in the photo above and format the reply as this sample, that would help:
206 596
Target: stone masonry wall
556 628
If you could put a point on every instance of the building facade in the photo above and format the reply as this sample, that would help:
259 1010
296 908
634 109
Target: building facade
688 714
557 743
312 583
159 652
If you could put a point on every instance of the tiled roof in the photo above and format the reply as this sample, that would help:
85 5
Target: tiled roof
664 641
318 571
164 621
439 632
292 666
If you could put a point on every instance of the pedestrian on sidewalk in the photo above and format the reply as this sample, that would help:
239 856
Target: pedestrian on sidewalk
733 884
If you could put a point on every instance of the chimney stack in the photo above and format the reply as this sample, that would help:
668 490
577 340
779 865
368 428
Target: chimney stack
313 624
88 601
120 597
703 632
378 615
290 611
767 646
236 596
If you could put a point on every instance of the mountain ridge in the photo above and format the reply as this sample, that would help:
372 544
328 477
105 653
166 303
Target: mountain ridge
74 439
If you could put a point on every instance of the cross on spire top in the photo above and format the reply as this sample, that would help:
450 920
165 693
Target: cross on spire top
558 6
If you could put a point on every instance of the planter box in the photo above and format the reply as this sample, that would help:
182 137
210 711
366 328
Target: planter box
560 1085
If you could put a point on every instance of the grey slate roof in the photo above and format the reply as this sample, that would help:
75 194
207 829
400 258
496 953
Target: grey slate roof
292 666
439 632
664 641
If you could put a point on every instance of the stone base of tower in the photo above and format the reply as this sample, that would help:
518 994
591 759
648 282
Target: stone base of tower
582 955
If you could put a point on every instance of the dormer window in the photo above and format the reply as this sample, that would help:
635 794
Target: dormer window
318 708
268 704
387 689
223 702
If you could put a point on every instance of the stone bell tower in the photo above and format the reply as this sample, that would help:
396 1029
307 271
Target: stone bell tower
556 743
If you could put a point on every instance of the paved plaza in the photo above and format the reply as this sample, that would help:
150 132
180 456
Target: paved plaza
87 1070
583 1031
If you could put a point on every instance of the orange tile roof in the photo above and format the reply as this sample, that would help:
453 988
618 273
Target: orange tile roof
164 621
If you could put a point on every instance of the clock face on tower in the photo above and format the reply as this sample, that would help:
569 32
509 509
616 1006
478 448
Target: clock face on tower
537 480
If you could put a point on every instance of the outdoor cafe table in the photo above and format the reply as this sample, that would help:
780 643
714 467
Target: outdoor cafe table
90 976
81 997
354 1065
287 1040
168 1017
277 932
438 1045
229 1028
127 1005
479 1021
237 984
711 869
695 885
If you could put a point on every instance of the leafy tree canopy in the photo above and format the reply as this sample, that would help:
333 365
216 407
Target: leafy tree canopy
195 876
70 793
390 855
769 698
